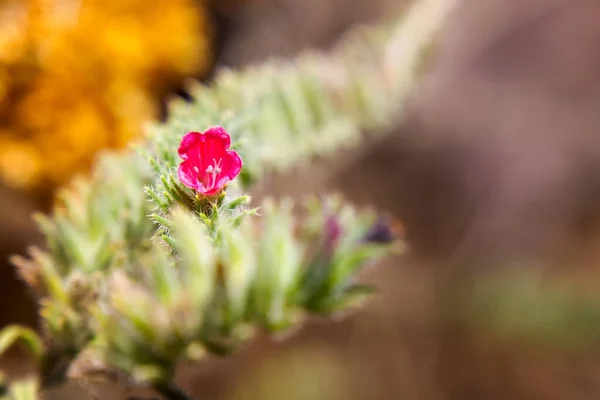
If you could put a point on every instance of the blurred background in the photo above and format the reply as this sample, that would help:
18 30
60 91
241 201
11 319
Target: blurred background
496 168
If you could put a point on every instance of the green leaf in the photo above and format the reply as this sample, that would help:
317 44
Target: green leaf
350 262
25 389
197 257
239 268
279 258
150 191
354 296
136 316
162 221
27 336
53 281
235 203
149 373
169 240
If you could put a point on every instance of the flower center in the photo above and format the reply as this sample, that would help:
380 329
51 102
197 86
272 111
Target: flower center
211 173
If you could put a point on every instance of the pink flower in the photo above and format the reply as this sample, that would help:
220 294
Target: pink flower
207 163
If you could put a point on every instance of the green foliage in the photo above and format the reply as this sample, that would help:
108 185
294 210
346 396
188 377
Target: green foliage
140 272
14 333
217 292
102 223
25 389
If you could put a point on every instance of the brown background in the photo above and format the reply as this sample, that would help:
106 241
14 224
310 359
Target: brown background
497 164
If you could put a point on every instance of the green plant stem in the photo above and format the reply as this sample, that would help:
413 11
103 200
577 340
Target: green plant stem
170 391
54 366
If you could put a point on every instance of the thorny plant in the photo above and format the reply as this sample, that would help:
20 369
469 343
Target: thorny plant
161 256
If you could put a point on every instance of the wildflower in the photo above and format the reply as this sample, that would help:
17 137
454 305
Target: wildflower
207 164
383 231
332 233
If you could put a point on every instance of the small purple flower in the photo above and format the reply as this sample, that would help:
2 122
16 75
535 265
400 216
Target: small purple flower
383 231
332 233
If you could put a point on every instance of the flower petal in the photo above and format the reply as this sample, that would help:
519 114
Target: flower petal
232 164
219 133
188 141
187 175
211 149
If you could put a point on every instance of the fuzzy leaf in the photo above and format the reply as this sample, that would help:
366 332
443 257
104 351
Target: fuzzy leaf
197 256
15 333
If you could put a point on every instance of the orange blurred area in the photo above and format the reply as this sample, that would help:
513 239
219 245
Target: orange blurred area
77 76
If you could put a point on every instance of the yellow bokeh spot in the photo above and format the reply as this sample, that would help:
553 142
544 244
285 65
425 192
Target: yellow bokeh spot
28 160
77 76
